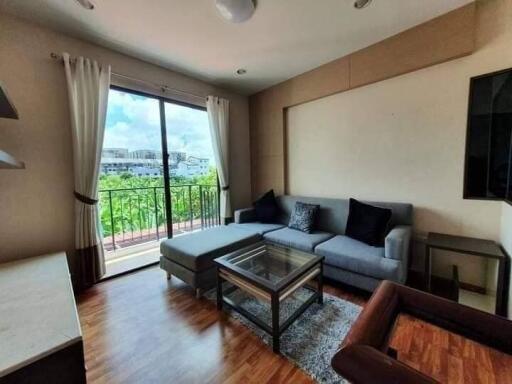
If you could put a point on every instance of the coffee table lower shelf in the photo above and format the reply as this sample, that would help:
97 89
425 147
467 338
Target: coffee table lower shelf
274 297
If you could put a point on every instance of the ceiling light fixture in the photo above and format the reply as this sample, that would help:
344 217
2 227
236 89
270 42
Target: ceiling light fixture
87 4
235 11
360 4
241 71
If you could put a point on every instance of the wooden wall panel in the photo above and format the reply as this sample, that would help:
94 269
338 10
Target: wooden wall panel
441 39
325 80
438 40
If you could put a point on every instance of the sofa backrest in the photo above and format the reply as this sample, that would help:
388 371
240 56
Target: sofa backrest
333 213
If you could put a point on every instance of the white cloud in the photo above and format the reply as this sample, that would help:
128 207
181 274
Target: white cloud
134 107
133 122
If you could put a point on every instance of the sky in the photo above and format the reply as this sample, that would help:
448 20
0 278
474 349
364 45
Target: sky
133 122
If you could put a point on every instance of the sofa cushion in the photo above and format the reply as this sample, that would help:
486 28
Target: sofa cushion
367 223
297 239
245 215
333 213
257 227
303 217
356 256
265 208
197 250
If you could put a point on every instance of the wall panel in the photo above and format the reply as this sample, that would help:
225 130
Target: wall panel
441 39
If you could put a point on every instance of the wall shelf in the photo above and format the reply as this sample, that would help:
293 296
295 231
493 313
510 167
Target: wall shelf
9 162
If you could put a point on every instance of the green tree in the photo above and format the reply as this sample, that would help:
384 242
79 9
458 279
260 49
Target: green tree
131 203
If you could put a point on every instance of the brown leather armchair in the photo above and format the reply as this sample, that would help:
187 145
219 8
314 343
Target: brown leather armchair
365 356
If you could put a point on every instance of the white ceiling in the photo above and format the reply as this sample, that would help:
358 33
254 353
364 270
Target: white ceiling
284 37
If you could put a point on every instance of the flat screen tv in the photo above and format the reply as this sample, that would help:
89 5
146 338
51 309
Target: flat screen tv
488 168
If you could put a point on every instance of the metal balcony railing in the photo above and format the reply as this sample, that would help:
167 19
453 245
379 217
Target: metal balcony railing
132 216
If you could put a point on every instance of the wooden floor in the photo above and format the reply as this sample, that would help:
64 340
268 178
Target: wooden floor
140 328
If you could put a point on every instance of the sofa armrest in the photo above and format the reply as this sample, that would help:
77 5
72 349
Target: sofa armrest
245 215
364 355
397 243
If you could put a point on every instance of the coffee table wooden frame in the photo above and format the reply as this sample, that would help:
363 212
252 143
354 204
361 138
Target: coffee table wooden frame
267 290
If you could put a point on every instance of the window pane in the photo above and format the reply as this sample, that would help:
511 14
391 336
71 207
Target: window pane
194 195
132 202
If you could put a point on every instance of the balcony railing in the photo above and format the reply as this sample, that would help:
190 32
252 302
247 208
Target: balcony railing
132 216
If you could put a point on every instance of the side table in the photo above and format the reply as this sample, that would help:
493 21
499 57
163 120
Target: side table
469 246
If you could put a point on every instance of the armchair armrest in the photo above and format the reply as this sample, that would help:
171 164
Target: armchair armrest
364 355
397 242
363 364
245 215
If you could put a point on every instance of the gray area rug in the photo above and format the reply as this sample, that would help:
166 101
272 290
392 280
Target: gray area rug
312 340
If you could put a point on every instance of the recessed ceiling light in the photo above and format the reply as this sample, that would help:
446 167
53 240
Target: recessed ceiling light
360 4
87 4
241 71
235 11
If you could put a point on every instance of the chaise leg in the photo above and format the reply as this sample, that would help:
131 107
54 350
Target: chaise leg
169 276
199 293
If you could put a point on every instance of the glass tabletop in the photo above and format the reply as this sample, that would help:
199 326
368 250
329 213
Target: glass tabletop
270 262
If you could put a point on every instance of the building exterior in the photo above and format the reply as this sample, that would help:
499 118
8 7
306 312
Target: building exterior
145 171
146 154
146 162
176 157
115 153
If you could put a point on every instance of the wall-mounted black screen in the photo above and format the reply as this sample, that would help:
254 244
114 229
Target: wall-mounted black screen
488 171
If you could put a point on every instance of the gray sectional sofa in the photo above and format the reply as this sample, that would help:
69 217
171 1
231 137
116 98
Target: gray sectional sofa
190 257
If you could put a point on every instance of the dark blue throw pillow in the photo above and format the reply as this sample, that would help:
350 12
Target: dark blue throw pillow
303 217
367 223
265 208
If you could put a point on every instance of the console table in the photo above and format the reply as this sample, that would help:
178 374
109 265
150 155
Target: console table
40 336
468 246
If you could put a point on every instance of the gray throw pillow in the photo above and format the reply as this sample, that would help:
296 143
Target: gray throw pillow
303 217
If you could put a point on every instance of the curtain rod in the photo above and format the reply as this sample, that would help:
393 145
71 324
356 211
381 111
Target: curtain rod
162 87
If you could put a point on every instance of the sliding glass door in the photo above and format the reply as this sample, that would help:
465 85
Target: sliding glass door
192 174
132 199
157 179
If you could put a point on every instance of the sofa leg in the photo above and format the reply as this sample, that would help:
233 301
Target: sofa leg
169 276
199 293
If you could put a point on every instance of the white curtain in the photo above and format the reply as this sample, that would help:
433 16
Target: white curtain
218 117
88 86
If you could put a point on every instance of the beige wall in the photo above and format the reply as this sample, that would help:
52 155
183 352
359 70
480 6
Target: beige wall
36 204
403 139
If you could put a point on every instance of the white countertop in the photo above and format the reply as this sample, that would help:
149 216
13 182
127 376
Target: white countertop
37 310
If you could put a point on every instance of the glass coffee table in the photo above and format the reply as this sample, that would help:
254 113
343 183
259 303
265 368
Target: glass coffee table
270 285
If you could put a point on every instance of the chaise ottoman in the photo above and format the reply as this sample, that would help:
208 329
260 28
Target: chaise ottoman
190 257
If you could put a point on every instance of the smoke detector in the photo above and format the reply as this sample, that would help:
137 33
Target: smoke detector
235 11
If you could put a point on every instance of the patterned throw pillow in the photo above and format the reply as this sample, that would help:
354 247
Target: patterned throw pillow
303 217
